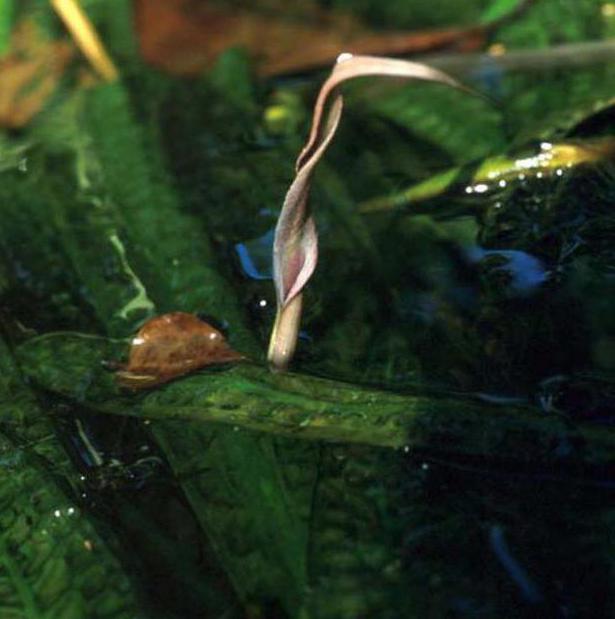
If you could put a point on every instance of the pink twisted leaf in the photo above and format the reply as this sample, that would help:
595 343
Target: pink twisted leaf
295 247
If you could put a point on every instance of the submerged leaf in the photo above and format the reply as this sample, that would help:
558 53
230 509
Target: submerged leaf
53 560
295 249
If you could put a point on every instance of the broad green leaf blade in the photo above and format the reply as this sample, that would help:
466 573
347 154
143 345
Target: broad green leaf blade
85 219
248 397
174 255
304 407
237 498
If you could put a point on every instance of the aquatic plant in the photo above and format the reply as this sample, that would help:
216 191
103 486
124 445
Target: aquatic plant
295 247
444 447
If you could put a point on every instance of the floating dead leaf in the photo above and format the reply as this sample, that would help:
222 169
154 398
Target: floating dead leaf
186 36
171 345
29 74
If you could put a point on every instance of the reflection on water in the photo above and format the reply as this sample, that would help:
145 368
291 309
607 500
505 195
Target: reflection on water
255 256
526 272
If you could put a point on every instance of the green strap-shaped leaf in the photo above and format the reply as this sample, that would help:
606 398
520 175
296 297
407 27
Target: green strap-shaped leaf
121 212
494 173
307 407
348 575
53 562
172 249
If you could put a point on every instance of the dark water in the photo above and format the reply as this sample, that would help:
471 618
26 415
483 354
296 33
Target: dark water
505 299
502 292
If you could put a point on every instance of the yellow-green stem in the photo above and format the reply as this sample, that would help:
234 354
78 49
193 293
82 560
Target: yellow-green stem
285 332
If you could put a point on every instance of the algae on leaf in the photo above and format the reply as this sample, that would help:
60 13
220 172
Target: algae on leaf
306 408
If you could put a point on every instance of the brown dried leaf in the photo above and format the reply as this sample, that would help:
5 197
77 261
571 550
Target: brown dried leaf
185 37
172 345
295 249
29 74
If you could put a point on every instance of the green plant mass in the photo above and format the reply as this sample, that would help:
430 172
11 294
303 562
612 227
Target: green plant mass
441 444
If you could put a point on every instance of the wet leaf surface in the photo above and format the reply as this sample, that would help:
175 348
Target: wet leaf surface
54 560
